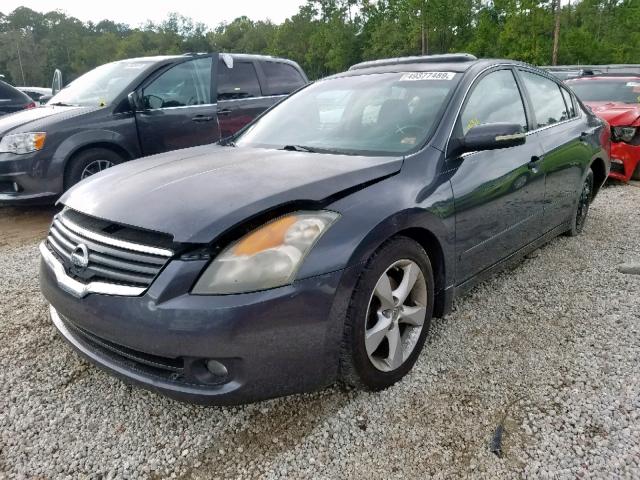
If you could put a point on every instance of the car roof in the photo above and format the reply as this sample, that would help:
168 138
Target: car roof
456 62
606 76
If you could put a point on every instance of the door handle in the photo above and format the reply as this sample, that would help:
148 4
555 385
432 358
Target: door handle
202 118
224 111
534 162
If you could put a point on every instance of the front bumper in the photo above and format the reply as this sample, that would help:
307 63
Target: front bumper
24 179
273 343
624 160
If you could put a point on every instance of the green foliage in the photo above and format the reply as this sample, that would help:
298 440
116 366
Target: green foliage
328 36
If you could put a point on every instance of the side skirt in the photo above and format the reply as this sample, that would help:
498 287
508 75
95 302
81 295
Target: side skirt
453 292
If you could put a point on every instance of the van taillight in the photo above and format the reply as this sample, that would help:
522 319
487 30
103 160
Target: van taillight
30 105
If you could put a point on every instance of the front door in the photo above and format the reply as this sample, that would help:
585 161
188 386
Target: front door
178 108
498 194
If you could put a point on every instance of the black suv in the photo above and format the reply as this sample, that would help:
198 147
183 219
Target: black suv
133 108
13 100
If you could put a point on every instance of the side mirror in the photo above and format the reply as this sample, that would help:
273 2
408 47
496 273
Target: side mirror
492 136
56 83
135 101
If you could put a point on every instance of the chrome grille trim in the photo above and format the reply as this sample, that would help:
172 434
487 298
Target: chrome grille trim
79 289
136 247
107 265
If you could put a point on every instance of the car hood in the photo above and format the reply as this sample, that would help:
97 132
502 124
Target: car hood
198 193
618 114
37 119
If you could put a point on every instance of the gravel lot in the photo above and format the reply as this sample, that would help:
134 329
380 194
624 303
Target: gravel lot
550 350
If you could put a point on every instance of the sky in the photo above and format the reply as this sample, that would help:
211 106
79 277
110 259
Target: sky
135 13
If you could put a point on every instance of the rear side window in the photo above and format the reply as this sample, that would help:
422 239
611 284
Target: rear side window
282 78
568 100
241 81
548 102
186 84
495 99
7 92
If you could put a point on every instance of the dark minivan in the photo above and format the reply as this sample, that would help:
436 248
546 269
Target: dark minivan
133 108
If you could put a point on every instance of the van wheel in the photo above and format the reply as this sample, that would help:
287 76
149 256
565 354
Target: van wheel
582 208
88 163
388 317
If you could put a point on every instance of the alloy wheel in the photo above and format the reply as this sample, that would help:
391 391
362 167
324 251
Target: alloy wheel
95 167
396 315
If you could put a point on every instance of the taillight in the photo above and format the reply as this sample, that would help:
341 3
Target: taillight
30 105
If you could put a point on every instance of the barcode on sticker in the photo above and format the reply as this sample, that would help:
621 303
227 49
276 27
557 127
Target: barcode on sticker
414 76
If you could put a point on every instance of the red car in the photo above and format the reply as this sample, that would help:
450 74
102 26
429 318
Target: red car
617 100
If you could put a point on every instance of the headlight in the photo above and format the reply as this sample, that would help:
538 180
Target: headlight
267 257
624 134
20 143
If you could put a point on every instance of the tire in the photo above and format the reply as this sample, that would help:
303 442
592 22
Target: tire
78 164
582 207
397 258
636 173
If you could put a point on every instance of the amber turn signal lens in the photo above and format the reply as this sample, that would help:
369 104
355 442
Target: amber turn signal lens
38 140
269 236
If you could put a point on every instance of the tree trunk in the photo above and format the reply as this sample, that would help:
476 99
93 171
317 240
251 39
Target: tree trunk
556 34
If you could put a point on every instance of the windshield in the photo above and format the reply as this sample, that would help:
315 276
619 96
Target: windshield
100 86
619 90
379 114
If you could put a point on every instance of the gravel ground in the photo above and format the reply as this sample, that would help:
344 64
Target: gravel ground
549 350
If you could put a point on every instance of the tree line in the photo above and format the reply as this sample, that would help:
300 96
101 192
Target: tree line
327 36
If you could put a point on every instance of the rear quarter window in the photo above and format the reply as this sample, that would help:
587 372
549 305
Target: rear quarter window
282 78
7 92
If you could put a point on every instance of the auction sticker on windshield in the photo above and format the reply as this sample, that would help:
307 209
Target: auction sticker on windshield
414 76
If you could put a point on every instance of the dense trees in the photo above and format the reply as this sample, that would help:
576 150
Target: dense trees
326 36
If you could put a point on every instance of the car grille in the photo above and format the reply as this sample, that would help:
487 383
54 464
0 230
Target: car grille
93 250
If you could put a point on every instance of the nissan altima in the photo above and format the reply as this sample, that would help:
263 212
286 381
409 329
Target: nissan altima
318 243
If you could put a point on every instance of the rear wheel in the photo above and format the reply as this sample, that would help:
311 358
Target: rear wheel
582 208
389 316
88 163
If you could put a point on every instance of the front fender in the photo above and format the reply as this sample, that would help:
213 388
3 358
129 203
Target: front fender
87 138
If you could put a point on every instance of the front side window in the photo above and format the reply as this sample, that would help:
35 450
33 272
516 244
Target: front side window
186 84
495 99
282 78
548 103
377 114
238 82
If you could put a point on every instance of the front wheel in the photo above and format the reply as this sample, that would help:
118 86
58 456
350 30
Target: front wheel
88 163
582 208
389 316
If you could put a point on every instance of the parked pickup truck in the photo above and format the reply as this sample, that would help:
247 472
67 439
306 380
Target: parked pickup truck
132 108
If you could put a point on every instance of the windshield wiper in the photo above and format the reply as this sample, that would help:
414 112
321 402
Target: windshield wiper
298 148
61 104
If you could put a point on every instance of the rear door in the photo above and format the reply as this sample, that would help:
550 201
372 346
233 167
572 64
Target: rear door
240 94
179 110
498 193
560 130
